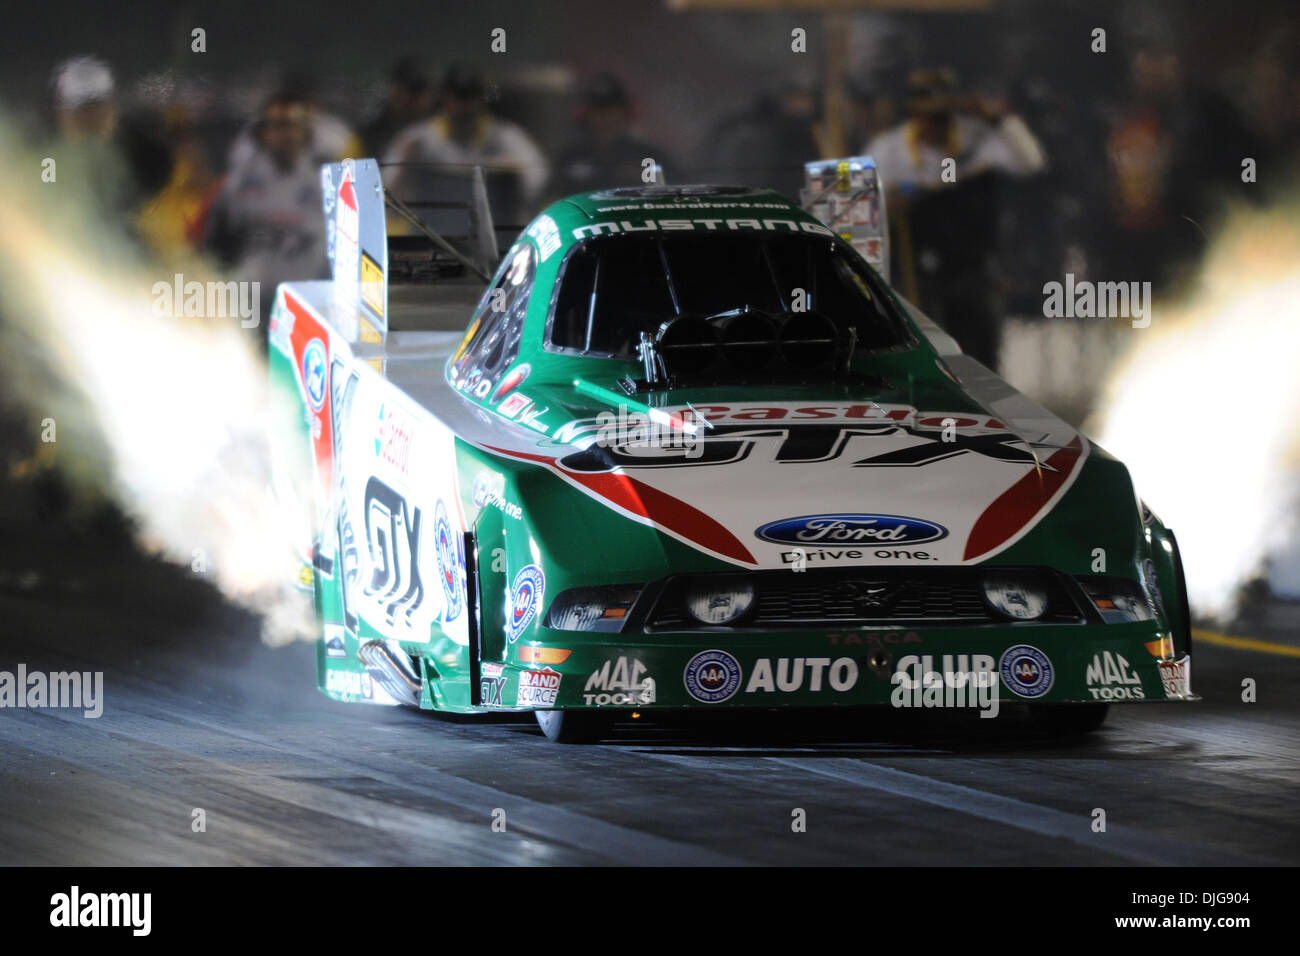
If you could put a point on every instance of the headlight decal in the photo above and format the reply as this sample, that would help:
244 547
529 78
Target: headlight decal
603 608
1015 597
719 601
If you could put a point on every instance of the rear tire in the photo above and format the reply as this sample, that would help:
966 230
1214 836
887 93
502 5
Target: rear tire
1068 720
574 726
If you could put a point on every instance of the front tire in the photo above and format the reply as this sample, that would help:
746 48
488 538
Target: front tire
574 726
1184 609
1068 720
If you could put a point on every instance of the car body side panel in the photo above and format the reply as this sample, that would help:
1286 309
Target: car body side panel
390 555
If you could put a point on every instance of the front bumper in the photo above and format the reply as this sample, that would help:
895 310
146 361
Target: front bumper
945 667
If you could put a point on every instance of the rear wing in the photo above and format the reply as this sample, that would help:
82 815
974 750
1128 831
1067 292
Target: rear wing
848 196
356 242
368 253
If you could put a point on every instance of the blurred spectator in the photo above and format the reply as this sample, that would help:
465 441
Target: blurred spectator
116 161
85 100
604 151
331 138
944 215
464 133
871 112
410 99
768 144
266 223
1047 220
1169 151
85 143
171 221
977 132
1272 110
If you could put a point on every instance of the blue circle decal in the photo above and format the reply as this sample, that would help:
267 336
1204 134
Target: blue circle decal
450 553
313 373
525 598
1027 671
712 676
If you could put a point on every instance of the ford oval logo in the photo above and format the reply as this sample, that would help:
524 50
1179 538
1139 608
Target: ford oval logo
851 529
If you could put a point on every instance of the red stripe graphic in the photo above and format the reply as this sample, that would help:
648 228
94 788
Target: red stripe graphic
1018 505
306 328
657 506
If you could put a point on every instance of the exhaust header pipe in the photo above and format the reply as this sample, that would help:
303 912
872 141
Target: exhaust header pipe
392 670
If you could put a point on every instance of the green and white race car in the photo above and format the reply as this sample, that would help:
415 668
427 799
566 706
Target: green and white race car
692 452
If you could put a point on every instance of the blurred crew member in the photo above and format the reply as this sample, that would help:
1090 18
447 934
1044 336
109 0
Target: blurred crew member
171 222
266 223
768 144
604 152
85 144
872 111
331 138
1158 148
940 170
464 133
114 162
85 104
410 99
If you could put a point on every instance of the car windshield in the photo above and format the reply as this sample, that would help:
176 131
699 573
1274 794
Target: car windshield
615 287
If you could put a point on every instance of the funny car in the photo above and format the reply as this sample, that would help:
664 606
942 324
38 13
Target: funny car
691 452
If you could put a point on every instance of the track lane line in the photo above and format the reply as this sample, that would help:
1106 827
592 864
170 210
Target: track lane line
1246 643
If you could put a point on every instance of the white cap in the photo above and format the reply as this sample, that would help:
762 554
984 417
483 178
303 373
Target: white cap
82 80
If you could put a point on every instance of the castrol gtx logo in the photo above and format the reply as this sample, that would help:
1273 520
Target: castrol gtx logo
851 529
